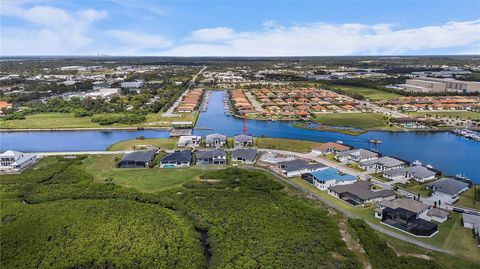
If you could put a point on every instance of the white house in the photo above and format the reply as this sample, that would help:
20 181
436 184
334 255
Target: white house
12 161
189 141
381 164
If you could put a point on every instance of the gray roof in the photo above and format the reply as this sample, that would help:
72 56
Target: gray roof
361 189
470 218
298 164
241 138
209 154
384 161
448 185
178 156
363 153
246 154
139 156
416 170
408 204
209 139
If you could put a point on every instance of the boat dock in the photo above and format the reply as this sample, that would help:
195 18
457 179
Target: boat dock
204 105
469 134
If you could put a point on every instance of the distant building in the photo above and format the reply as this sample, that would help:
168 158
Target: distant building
432 85
103 93
215 140
4 105
242 140
132 84
328 177
247 156
217 156
13 161
138 159
176 159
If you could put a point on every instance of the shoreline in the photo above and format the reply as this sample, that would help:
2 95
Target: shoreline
166 129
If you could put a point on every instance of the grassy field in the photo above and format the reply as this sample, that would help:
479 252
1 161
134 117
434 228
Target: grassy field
142 179
355 120
65 120
416 188
286 144
163 143
369 93
467 199
449 114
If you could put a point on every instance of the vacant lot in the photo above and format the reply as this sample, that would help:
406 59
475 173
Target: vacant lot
356 120
368 93
467 199
286 144
163 143
67 120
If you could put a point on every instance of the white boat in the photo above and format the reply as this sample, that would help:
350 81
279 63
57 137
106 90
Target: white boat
339 142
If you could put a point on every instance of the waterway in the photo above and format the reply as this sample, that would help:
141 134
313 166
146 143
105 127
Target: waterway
444 151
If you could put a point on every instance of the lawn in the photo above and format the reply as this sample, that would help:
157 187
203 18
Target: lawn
142 179
286 144
355 120
467 199
449 114
416 188
368 93
163 143
66 120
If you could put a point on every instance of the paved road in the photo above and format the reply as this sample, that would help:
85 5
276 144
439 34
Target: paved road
169 113
253 101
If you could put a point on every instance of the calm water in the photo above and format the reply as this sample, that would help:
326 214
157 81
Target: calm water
69 140
444 151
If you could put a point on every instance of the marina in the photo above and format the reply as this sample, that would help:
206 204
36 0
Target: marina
469 134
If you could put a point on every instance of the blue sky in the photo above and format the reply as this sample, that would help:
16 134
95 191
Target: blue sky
239 28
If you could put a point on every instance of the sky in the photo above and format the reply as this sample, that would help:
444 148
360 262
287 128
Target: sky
239 28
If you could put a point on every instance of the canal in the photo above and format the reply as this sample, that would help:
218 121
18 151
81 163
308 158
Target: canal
444 151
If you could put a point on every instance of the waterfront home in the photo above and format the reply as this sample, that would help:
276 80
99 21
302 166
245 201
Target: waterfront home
247 156
356 155
137 159
242 140
217 156
215 140
406 215
328 177
436 214
297 167
447 188
192 141
472 222
360 193
14 161
181 158
381 164
330 147
417 172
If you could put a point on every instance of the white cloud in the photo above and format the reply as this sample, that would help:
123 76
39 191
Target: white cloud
327 39
52 31
138 41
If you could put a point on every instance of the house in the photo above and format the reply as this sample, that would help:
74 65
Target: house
215 140
381 164
472 222
181 158
13 161
417 172
328 177
217 156
448 188
189 141
360 193
137 159
406 215
247 156
356 155
242 140
4 105
330 147
297 167
436 214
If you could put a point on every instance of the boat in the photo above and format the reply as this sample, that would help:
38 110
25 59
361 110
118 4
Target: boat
461 176
374 141
339 142
417 162
429 166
